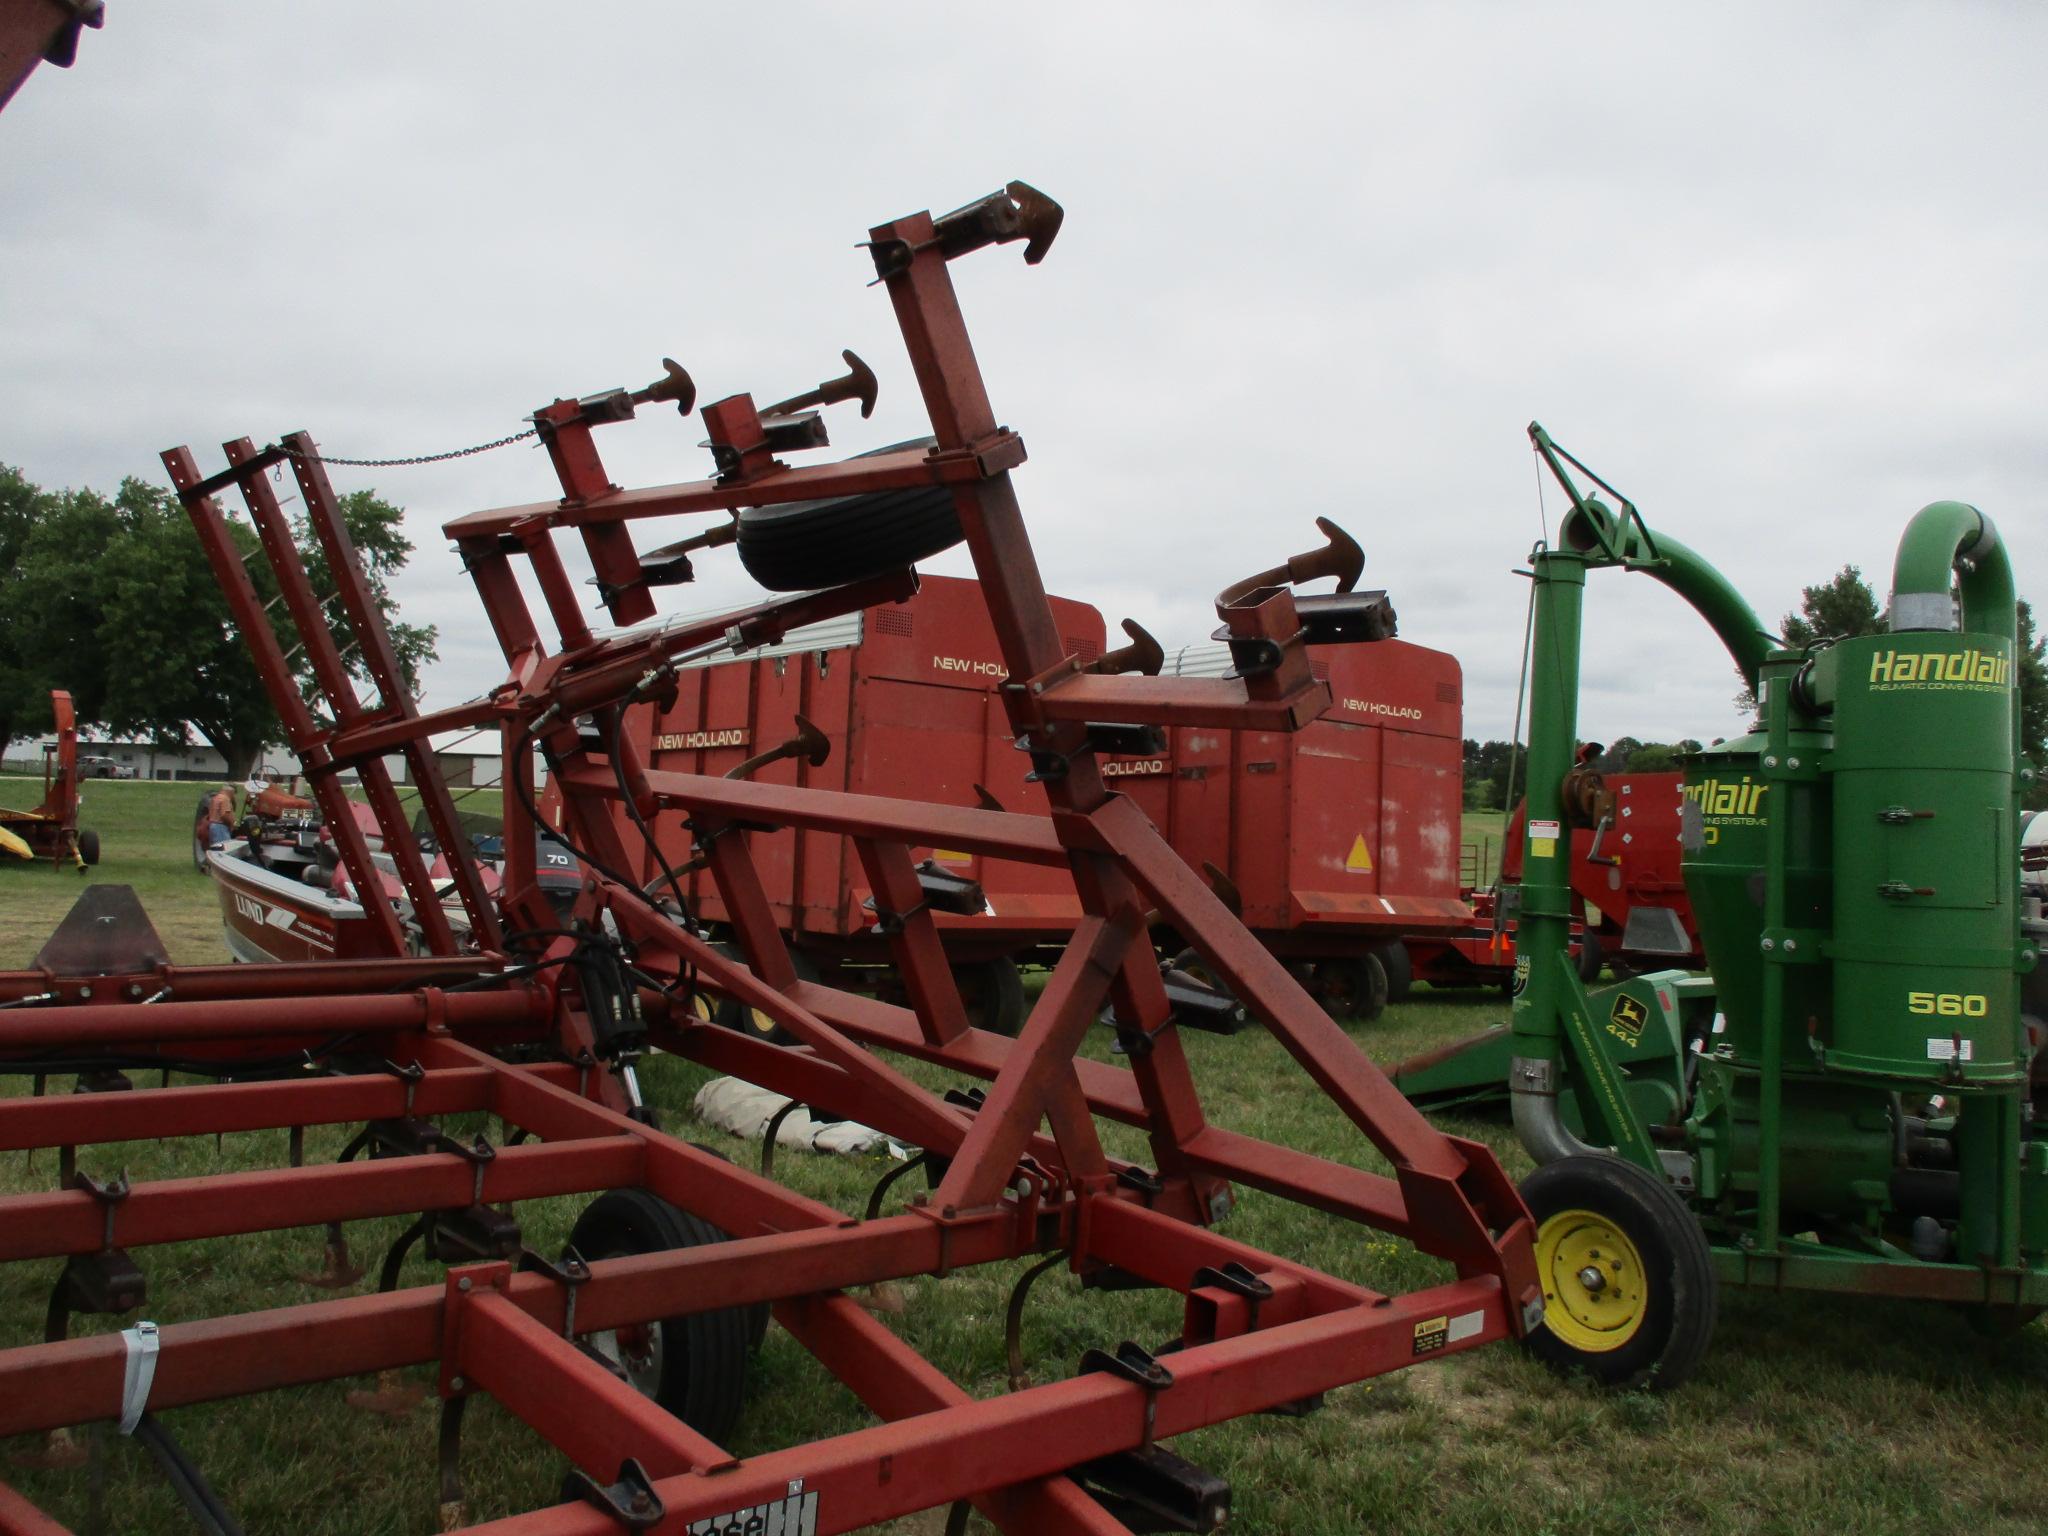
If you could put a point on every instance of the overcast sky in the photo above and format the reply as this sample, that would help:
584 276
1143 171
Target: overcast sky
1776 271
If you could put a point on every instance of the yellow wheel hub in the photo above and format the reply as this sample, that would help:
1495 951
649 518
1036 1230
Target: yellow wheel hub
1595 1291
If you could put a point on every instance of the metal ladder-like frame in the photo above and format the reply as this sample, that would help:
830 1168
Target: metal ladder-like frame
362 735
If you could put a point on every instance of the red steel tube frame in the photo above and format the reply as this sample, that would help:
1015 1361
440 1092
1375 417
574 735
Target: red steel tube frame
1009 1188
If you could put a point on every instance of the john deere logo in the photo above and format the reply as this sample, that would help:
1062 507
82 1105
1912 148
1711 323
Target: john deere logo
1939 669
1629 1015
1521 973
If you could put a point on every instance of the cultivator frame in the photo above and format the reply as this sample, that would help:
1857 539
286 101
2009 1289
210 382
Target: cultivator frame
526 1023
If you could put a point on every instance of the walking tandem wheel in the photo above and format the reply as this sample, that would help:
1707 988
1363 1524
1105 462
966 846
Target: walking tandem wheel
539 1018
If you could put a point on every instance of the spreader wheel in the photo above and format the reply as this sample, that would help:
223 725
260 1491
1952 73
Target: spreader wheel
1628 1281
752 1021
992 992
1400 968
694 1366
89 846
1352 987
805 544
1189 962
1592 957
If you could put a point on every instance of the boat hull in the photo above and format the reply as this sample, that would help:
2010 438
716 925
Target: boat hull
266 916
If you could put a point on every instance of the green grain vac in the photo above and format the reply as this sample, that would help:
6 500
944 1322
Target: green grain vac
1854 1108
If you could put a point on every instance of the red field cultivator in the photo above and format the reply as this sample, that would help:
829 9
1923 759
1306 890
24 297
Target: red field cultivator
540 1020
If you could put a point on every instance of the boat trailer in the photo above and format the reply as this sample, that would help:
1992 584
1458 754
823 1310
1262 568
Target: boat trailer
542 1020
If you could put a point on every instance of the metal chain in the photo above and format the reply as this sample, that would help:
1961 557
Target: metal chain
419 458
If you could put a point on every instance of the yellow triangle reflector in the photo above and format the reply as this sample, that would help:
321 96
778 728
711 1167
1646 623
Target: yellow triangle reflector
1358 860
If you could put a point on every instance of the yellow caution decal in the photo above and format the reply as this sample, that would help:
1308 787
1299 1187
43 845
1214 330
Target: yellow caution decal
952 856
1358 860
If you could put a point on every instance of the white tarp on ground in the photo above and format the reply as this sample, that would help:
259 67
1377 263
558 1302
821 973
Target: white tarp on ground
745 1109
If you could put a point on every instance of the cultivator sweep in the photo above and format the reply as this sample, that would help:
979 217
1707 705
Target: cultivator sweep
506 1004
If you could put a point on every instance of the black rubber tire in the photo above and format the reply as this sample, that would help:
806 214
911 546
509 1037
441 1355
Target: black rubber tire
703 1357
89 845
1592 957
758 1314
750 1021
992 991
1680 1288
802 545
1352 987
1190 962
1400 969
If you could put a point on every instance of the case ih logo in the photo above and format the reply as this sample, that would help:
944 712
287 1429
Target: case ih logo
1135 768
1384 711
968 665
698 741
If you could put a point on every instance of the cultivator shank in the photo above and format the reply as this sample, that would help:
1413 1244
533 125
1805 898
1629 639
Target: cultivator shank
540 1019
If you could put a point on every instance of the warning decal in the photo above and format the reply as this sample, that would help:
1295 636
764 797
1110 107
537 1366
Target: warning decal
1432 1334
1543 839
1359 859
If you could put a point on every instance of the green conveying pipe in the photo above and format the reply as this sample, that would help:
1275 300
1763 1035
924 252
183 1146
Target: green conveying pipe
1947 537
1544 928
1703 588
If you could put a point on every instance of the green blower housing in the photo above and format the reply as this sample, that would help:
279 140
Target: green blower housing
1858 1112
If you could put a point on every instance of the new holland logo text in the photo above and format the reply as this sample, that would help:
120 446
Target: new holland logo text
698 741
1940 669
968 665
1134 769
1386 711
1720 797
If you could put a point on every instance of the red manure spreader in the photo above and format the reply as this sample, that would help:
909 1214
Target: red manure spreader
628 1350
1331 842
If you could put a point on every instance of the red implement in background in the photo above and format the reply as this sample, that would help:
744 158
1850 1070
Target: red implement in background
1627 883
542 1021
1629 907
1330 842
51 830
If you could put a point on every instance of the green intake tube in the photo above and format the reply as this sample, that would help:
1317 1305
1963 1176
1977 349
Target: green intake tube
1945 538
1704 589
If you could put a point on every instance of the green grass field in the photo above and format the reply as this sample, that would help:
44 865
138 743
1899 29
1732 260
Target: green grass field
1811 1414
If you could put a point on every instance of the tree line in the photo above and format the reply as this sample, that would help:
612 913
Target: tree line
1840 608
112 598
